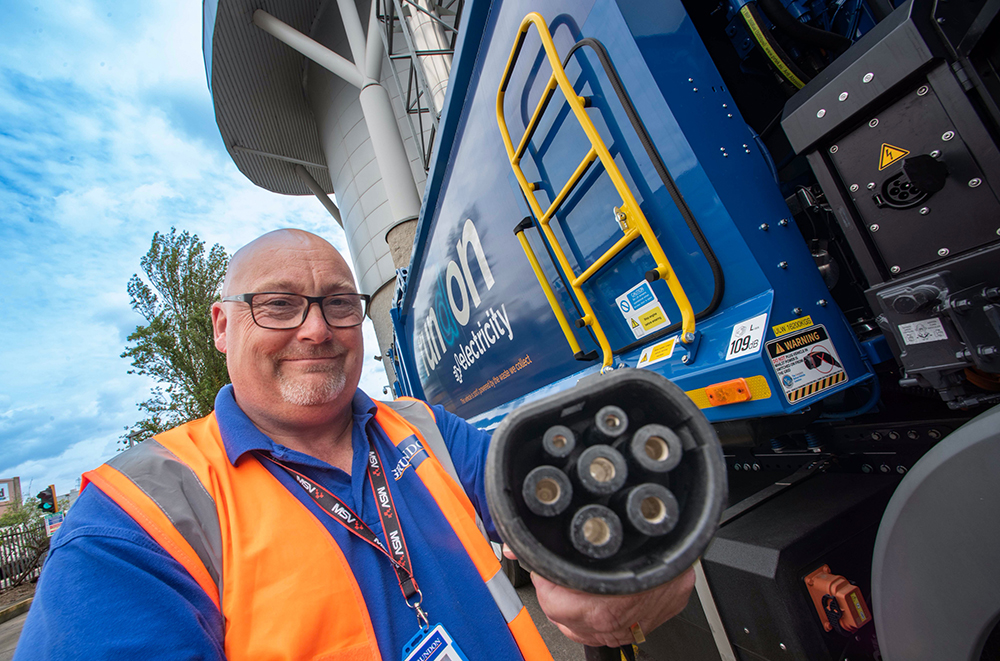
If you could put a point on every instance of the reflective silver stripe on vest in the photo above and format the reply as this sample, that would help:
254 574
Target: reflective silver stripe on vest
180 495
418 415
505 596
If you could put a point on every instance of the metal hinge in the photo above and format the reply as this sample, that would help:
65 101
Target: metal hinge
962 76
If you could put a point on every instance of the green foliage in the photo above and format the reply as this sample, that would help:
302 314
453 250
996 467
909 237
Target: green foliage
20 512
176 346
26 511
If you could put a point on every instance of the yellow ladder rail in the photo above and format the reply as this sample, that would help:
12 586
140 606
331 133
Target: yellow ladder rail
628 214
574 345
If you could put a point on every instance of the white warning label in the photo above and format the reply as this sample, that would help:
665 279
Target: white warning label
806 363
925 330
746 337
642 310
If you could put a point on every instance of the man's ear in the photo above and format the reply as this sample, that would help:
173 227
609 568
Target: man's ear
219 326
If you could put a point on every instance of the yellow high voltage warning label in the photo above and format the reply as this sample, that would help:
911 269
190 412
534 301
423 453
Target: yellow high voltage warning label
657 353
806 363
890 155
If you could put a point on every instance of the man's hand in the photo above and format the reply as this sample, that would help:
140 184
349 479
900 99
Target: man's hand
602 620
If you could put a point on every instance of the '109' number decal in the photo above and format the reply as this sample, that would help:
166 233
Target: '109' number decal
742 344
747 337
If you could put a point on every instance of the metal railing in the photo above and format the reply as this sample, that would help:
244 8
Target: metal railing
429 30
21 549
627 214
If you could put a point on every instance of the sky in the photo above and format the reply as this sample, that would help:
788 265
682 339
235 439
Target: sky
107 135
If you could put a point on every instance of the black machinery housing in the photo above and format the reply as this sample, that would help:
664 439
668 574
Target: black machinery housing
901 134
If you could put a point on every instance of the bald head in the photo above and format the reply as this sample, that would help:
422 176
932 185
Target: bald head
292 380
257 262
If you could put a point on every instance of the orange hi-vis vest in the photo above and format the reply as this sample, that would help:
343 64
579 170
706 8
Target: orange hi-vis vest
279 578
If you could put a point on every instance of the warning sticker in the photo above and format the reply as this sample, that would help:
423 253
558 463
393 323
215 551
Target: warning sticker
642 310
925 330
793 325
806 363
890 155
746 337
656 353
857 606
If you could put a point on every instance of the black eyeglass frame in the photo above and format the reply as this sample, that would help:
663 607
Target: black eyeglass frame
318 300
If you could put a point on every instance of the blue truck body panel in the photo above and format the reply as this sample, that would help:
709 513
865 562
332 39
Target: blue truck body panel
474 331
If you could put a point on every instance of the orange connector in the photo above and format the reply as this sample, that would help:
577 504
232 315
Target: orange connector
838 602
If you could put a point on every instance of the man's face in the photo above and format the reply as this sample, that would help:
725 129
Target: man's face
290 375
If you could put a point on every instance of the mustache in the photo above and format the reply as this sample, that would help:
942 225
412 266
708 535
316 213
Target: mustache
317 352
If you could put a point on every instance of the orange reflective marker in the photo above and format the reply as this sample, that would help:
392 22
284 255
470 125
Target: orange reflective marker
728 392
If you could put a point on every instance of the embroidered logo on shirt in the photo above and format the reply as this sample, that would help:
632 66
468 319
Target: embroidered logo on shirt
408 453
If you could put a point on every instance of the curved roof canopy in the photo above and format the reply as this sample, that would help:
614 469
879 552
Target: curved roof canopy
258 93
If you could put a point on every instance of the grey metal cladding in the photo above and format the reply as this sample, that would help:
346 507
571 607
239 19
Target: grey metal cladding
178 492
258 96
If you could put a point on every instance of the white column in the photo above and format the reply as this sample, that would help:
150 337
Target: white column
314 50
373 47
355 33
390 153
387 142
320 194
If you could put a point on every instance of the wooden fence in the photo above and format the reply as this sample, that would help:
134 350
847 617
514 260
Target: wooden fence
21 549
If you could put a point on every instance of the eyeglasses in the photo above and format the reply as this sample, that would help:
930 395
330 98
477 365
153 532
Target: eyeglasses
283 311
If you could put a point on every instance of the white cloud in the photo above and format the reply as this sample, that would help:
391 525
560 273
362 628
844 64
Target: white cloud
107 137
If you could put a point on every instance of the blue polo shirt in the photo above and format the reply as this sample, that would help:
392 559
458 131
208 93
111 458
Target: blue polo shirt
108 591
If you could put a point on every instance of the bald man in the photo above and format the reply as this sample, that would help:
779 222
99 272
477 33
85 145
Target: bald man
301 519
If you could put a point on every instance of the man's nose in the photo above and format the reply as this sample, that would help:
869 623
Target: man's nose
315 327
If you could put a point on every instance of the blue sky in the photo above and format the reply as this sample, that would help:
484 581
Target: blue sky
107 135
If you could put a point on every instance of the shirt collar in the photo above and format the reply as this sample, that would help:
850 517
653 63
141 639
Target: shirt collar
240 435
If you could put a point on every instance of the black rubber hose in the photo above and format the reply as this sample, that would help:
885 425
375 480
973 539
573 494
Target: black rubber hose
796 29
771 48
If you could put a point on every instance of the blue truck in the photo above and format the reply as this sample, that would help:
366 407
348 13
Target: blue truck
780 207
788 209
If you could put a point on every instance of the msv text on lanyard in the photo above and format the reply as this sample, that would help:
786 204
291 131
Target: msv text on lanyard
429 643
397 553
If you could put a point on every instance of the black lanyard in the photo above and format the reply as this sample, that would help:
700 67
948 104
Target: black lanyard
397 553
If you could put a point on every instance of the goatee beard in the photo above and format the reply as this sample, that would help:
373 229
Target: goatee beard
301 390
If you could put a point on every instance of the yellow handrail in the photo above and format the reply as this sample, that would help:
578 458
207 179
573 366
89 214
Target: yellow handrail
549 294
630 216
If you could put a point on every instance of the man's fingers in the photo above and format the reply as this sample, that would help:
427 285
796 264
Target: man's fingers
594 639
603 620
508 552
581 612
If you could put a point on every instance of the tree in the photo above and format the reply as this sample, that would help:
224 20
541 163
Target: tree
176 346
20 512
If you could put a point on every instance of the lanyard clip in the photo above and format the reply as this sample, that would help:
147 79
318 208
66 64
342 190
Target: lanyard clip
421 615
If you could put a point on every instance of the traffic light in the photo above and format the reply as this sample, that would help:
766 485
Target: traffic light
48 502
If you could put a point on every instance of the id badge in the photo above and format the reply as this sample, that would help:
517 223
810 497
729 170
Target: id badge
434 644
